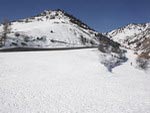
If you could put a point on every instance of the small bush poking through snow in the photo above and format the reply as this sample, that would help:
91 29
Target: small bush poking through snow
143 63
83 40
17 34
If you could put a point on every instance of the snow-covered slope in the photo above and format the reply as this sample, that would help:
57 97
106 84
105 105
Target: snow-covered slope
135 37
58 29
50 29
127 32
70 82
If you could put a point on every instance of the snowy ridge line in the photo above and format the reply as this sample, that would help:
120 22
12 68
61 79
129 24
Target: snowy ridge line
49 29
22 49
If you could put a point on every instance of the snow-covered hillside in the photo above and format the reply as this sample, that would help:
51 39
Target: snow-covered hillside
58 29
50 29
135 37
70 82
125 33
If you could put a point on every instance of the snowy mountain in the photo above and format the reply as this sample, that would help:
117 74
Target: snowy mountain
79 80
135 37
58 29
50 29
127 32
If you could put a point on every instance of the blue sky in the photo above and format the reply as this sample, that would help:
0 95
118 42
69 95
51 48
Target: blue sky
102 15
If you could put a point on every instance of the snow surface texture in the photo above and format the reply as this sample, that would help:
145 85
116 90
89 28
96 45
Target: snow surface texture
50 29
71 82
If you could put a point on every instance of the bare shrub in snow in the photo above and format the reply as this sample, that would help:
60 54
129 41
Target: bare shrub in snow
110 61
6 31
111 54
17 34
26 38
44 38
23 44
143 63
26 20
84 40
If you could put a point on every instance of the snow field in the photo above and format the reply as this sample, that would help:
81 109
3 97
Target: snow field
70 82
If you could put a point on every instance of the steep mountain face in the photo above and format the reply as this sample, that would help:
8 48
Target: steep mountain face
126 33
50 29
135 37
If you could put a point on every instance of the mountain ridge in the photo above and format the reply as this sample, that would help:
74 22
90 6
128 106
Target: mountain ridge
57 20
132 36
57 29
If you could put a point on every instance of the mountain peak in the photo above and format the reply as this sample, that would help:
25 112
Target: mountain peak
57 12
134 36
51 28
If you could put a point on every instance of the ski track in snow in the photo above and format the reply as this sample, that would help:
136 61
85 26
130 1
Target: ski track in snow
70 82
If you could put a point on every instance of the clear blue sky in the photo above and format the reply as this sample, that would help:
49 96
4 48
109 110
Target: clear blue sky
102 15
